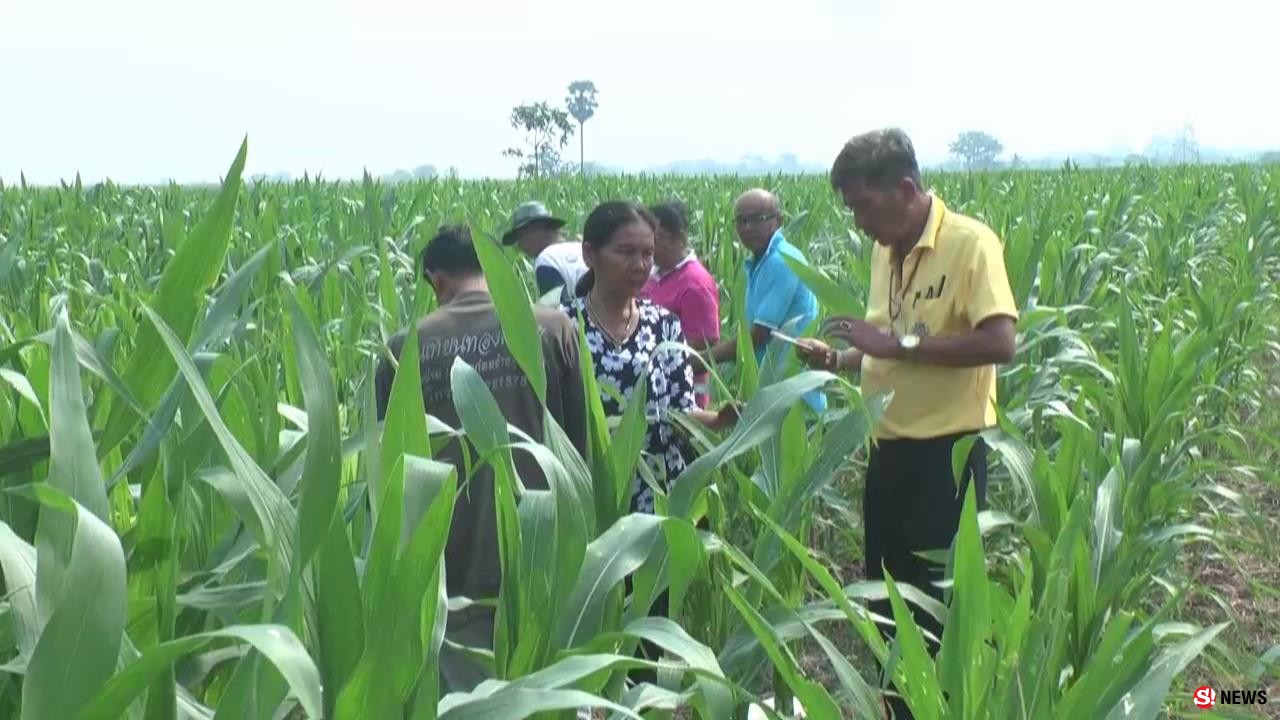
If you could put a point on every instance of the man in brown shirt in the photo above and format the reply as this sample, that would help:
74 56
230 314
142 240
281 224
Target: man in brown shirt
466 326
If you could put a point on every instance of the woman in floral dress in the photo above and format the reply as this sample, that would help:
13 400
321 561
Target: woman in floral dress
624 332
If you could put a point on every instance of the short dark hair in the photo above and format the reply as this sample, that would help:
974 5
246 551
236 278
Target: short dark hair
878 158
451 251
672 216
603 223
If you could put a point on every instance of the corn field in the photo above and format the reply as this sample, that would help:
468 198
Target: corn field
202 516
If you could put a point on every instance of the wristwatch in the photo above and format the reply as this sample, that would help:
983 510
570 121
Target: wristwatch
909 342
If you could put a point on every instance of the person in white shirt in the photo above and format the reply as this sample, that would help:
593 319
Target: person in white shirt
557 262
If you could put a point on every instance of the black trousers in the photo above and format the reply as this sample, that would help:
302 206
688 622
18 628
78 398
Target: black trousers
911 502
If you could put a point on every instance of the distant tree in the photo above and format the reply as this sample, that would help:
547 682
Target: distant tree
1016 162
1187 147
1270 158
1136 159
424 172
546 131
582 106
977 149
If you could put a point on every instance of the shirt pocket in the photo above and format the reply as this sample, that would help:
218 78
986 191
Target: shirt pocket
936 312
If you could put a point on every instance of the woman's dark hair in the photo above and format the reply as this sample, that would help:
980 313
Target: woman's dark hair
602 224
451 251
673 216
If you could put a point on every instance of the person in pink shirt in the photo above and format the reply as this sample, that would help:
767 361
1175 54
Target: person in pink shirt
684 287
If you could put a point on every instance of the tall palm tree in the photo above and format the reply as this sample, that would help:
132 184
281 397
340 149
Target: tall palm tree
582 106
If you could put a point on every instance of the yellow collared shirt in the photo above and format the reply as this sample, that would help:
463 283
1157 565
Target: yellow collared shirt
954 279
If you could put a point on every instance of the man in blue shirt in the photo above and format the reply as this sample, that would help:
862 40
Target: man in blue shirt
775 295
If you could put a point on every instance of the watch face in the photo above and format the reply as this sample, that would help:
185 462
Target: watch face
910 341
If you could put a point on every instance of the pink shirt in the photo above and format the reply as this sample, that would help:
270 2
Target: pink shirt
691 294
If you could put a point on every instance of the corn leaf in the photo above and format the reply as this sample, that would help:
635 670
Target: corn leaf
760 419
321 474
190 272
278 644
830 294
263 506
79 645
18 561
515 314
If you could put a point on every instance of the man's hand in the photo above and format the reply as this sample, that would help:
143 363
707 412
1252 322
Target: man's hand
817 354
728 415
871 340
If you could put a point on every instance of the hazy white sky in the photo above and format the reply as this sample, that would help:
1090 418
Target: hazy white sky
140 90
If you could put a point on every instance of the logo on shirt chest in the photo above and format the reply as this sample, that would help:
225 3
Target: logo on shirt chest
932 292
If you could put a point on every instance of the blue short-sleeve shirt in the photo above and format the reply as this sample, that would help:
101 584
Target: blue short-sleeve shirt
775 296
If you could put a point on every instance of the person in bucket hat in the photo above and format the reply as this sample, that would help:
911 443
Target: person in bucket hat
557 263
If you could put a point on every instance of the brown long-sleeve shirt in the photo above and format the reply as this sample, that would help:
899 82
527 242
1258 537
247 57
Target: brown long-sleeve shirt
468 327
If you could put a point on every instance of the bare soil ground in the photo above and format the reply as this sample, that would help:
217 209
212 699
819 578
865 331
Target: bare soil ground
1237 578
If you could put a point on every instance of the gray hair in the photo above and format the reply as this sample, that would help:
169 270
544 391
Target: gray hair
878 158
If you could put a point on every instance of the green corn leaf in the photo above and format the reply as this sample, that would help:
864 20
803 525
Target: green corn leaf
538 536
79 645
617 553
815 700
321 474
22 455
19 382
748 366
915 676
155 579
965 663
673 638
278 644
387 294
339 613
866 702
831 294
261 503
405 430
609 498
385 678
860 618
486 428
18 561
627 444
189 273
546 688
650 697
789 507
517 703
760 419
515 314
1148 696
73 469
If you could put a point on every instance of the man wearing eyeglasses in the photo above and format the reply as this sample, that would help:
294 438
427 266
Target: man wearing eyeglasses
775 295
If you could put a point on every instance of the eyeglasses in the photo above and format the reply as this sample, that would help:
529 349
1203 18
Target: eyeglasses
753 219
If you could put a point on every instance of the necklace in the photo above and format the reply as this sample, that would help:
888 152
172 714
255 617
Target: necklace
900 297
597 318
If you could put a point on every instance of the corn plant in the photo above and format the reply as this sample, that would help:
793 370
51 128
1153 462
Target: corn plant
203 515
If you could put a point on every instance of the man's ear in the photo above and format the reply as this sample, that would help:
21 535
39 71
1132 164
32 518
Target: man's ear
907 190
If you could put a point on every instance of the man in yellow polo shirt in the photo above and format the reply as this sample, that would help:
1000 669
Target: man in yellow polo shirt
940 317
